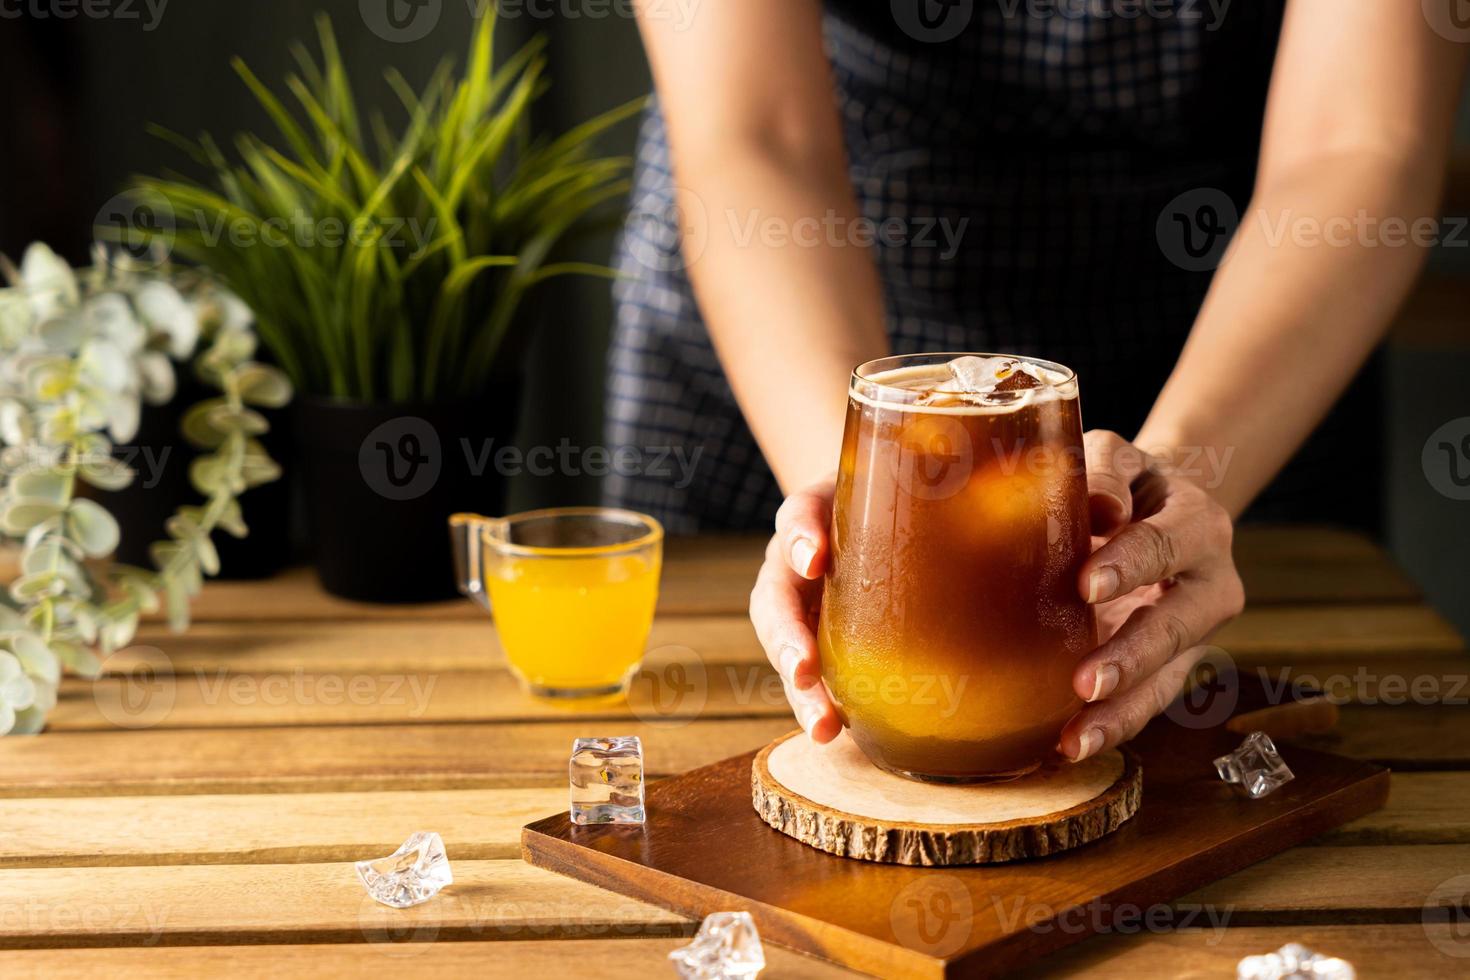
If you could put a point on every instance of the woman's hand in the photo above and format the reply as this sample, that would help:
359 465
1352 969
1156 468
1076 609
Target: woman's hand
785 602
1163 580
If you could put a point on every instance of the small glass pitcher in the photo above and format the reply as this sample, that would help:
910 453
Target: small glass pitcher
573 591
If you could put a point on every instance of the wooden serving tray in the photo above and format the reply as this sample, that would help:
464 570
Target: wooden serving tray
705 849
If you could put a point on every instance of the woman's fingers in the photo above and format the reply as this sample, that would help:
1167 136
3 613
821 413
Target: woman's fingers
780 611
783 603
1113 464
1107 723
1157 633
801 527
1189 532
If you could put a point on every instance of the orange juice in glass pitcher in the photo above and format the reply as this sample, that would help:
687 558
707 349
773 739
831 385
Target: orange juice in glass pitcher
572 591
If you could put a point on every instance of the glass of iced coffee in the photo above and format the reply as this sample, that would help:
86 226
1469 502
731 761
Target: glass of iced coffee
950 620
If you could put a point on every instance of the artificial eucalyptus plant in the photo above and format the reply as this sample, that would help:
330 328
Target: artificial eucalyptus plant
389 264
79 355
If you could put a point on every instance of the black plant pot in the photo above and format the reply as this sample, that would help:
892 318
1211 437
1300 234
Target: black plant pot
382 480
160 456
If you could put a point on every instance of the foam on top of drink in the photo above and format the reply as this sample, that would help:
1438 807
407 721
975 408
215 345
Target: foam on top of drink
972 385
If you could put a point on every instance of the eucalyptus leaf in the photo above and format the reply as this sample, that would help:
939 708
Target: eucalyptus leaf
105 473
263 385
19 516
227 418
92 528
232 520
164 311
27 722
17 690
199 427
38 585
77 658
156 373
15 423
41 486
176 602
36 658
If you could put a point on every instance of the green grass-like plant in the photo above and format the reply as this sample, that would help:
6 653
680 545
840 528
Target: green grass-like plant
357 308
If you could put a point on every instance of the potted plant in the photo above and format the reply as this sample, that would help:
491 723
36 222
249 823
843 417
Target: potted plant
387 269
79 356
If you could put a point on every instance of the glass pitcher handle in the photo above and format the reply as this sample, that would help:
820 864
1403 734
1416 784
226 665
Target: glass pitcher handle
465 534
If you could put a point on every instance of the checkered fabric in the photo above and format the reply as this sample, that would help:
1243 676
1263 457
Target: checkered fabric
1047 144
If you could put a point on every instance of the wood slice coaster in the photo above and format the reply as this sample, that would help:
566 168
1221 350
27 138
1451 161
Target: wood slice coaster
832 798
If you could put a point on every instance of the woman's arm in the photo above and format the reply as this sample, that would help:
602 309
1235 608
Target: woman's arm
1357 131
748 99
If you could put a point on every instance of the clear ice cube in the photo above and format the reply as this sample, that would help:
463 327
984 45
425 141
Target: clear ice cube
982 381
726 947
1255 767
1294 962
977 375
411 875
607 780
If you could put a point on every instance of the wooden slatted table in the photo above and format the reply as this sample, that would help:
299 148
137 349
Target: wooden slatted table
195 810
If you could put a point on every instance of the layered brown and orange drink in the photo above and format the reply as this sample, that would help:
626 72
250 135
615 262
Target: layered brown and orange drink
951 621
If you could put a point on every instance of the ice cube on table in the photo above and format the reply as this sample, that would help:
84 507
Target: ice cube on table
411 875
1255 766
726 947
607 780
1294 962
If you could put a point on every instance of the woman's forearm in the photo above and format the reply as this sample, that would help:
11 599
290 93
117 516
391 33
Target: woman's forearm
1322 260
792 301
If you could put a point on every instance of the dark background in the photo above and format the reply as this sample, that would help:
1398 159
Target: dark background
79 90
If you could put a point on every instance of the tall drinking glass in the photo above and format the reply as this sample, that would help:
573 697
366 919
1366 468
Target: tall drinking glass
951 621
